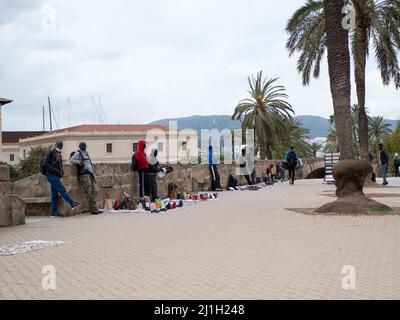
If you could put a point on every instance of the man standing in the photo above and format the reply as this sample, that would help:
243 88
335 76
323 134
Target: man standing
383 160
291 160
143 166
51 167
154 169
396 164
212 166
86 177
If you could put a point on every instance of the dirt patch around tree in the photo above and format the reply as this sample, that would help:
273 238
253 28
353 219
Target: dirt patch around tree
371 195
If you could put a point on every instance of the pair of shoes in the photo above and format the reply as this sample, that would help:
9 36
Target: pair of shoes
76 205
54 215
385 184
95 211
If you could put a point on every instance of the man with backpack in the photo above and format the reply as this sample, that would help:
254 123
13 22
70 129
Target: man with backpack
291 160
81 159
141 165
51 166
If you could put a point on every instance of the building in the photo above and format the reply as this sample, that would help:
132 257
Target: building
106 142
115 143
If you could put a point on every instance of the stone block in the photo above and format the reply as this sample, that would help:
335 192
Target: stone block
4 173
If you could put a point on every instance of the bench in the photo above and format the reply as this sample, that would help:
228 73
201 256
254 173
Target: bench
37 206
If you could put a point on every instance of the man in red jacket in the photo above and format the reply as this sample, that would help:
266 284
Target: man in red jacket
143 167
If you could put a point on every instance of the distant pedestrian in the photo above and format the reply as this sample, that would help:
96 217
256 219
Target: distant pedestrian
154 169
212 166
51 166
81 159
384 161
291 160
244 159
396 165
269 175
140 158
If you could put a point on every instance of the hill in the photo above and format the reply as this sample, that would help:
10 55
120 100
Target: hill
318 126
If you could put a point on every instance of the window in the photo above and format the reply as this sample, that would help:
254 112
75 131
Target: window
184 146
12 157
109 147
135 147
160 147
24 154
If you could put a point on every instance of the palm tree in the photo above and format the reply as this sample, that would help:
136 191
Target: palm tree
265 111
295 136
378 128
332 141
315 148
339 74
377 24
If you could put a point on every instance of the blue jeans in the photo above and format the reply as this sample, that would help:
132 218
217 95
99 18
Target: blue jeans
384 173
57 188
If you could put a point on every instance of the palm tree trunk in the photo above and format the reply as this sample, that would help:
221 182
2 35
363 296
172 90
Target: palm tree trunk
264 151
339 73
360 58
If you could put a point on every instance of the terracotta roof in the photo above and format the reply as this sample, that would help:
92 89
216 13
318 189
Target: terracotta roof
4 101
10 137
111 128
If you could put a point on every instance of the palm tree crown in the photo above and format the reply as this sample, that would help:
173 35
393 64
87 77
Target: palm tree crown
265 110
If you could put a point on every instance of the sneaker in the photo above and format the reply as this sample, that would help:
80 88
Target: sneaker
95 211
76 205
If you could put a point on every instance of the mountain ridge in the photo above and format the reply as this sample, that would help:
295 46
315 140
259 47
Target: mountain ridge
318 126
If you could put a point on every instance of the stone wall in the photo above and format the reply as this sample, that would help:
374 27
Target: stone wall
115 178
12 208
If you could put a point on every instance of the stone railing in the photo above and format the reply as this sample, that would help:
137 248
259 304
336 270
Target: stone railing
115 178
12 208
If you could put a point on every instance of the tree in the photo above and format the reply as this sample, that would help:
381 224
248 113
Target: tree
265 111
392 141
377 24
378 129
339 74
315 148
295 136
31 165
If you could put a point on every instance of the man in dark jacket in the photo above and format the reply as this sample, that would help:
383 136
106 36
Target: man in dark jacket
384 161
81 159
143 167
291 160
53 169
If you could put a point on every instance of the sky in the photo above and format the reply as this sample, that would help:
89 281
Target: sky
153 59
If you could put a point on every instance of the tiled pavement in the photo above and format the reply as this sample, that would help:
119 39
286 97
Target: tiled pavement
244 246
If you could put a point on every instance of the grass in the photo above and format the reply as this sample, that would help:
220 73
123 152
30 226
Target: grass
381 208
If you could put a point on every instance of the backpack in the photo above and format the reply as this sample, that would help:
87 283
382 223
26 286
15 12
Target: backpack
135 163
43 165
291 159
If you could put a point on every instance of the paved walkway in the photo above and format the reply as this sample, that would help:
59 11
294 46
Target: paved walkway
244 246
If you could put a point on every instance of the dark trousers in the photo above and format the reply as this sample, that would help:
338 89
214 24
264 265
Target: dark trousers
292 172
247 177
144 189
215 179
153 186
396 169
